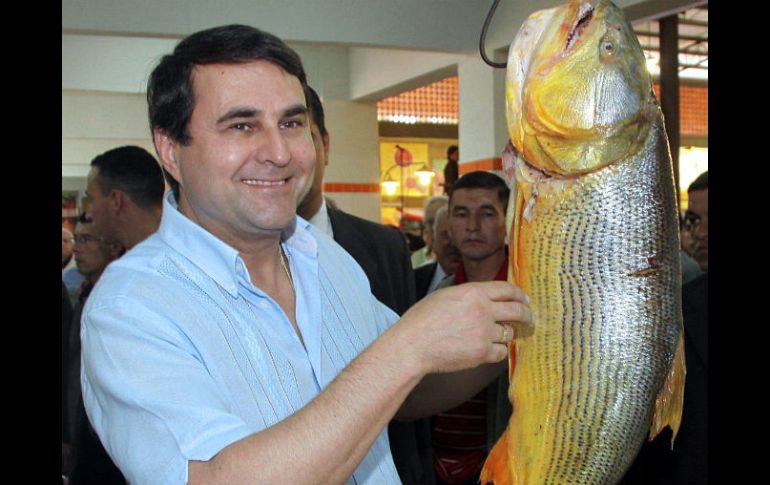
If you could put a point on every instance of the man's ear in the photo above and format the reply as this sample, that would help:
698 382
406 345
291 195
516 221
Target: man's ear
326 147
117 200
166 148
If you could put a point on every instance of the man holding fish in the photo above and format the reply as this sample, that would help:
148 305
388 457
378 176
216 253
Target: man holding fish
238 344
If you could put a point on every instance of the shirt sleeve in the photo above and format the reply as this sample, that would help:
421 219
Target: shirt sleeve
148 393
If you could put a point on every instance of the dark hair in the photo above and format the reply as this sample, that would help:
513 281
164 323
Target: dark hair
316 109
170 95
452 149
483 180
700 183
134 171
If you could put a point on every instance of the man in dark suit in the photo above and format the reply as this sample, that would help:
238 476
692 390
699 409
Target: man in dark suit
428 276
382 253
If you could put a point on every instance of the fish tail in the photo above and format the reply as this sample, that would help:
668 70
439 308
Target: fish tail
496 467
668 405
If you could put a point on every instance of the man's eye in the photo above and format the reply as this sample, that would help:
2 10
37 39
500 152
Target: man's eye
240 126
292 124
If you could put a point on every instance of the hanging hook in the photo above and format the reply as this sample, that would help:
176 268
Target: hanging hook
500 65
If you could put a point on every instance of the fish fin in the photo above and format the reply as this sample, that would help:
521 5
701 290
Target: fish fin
496 467
668 405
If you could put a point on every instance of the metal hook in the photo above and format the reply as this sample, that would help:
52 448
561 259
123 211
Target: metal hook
492 9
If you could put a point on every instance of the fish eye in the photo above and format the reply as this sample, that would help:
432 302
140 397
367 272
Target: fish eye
608 46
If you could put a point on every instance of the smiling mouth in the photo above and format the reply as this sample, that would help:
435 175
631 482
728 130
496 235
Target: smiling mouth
265 183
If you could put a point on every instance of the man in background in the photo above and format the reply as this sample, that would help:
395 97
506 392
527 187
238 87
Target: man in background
425 254
382 253
380 250
697 218
452 168
70 276
83 456
462 437
125 195
66 247
428 276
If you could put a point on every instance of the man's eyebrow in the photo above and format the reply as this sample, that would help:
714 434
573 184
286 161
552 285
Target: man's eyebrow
239 112
490 206
248 112
299 109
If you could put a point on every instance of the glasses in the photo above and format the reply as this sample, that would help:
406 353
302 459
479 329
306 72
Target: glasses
86 239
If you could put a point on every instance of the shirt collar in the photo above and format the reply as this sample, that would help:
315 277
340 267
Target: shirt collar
321 219
215 257
502 273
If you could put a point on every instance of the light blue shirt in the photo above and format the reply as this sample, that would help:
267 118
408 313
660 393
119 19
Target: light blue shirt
183 356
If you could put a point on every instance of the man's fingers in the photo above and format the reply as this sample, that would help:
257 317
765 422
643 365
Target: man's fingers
511 313
499 352
501 291
504 334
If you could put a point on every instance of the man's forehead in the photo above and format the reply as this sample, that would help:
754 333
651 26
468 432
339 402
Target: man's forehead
475 197
212 74
93 176
698 199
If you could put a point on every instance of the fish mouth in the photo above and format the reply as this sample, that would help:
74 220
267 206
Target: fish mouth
583 18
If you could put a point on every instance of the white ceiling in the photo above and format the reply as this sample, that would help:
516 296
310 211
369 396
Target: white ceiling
110 45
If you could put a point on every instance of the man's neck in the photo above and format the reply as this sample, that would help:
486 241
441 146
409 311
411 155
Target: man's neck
484 269
141 227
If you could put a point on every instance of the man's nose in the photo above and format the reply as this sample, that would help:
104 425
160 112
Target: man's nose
274 148
474 222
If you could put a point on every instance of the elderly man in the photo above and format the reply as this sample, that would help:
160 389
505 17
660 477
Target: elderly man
429 276
239 344
425 254
83 456
70 276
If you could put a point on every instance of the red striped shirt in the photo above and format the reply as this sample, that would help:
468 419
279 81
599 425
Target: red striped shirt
459 436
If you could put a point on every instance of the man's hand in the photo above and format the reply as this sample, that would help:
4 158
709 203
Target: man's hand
461 327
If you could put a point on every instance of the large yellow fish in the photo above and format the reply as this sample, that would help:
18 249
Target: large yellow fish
594 242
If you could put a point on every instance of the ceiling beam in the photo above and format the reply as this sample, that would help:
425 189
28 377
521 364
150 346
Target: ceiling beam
656 9
647 33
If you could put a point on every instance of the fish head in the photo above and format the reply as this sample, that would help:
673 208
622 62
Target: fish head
578 93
